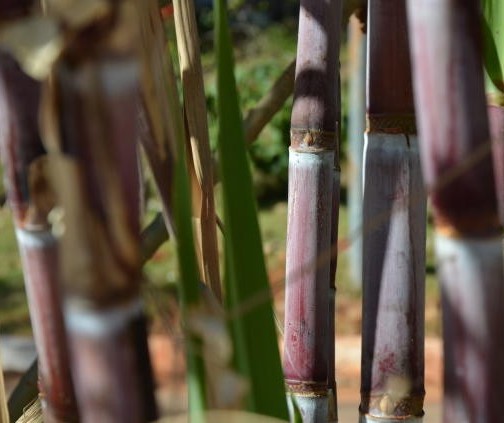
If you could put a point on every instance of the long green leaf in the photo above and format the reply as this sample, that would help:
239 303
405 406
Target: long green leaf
253 329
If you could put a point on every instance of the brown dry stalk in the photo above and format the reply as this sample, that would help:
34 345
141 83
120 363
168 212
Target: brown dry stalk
197 132
258 117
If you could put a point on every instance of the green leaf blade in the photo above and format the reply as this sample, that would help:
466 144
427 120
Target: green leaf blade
249 299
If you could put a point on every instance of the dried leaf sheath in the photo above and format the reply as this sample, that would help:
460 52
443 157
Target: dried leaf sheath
91 128
31 200
394 215
157 133
313 152
197 128
457 168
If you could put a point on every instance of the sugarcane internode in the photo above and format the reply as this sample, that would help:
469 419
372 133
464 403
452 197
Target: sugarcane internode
313 203
394 214
458 171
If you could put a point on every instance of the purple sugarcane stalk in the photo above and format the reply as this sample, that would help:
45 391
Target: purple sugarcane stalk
392 381
313 152
31 200
457 167
91 128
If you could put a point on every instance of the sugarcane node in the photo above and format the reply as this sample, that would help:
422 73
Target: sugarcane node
388 405
308 389
313 140
495 99
479 224
391 124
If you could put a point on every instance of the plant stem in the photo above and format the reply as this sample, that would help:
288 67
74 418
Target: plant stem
457 167
392 379
90 126
31 200
262 113
313 153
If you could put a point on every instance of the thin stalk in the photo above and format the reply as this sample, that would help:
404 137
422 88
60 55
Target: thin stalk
153 236
89 121
259 116
392 378
31 200
356 128
457 167
313 153
197 128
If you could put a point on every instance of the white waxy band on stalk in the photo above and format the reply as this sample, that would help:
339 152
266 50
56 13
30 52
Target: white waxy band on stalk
35 239
100 323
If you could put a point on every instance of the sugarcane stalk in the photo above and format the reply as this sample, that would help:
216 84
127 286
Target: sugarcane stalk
392 378
457 167
31 200
356 128
313 152
493 14
90 128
